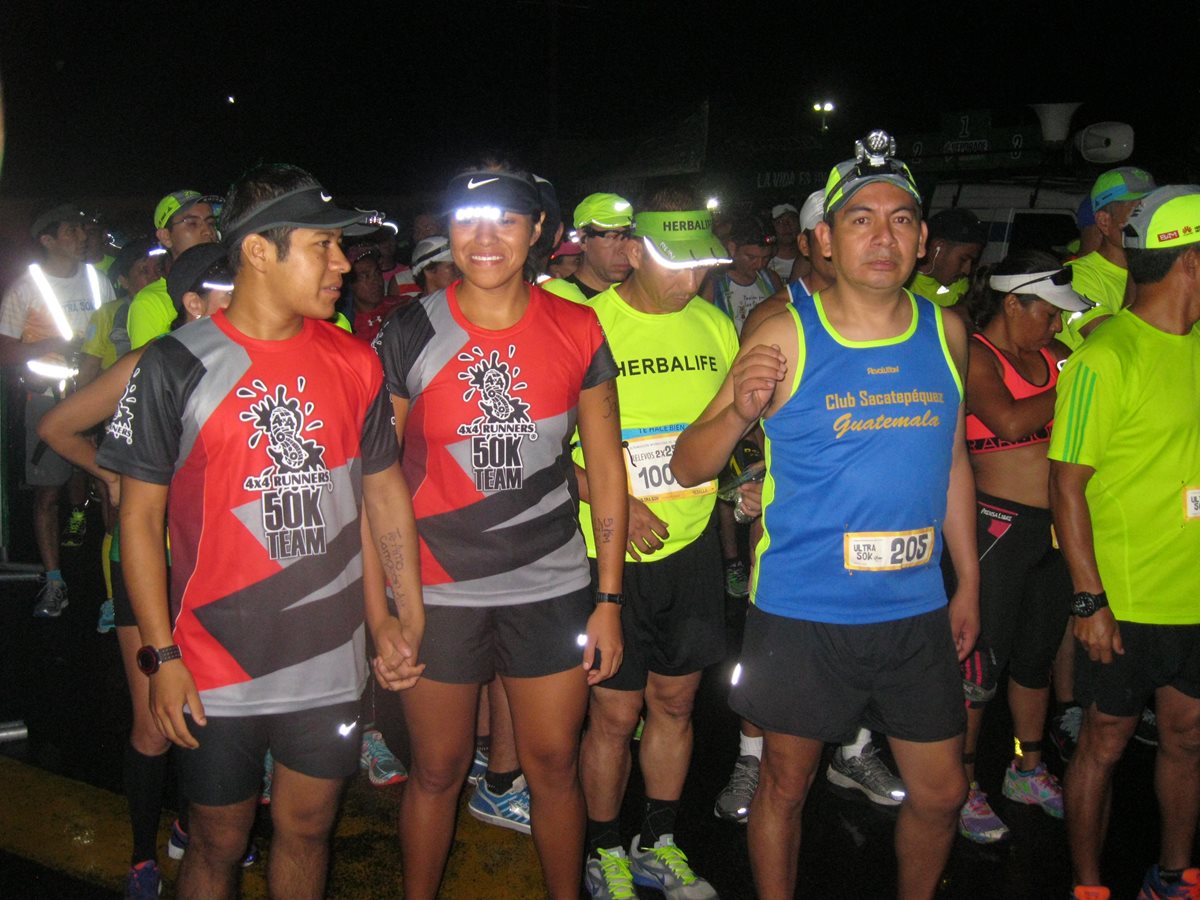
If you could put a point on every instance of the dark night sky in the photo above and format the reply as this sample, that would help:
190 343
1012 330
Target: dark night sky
106 98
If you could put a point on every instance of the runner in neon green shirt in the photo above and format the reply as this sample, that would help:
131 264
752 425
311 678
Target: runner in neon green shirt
602 222
672 351
1096 278
955 243
1130 410
182 219
670 364
1100 276
1125 489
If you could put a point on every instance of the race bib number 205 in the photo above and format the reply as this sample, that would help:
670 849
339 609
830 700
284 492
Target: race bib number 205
883 551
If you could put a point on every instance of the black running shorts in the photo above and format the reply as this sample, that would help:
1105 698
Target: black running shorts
471 645
227 768
1155 656
673 621
823 681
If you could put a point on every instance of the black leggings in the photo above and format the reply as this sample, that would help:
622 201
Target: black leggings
1024 589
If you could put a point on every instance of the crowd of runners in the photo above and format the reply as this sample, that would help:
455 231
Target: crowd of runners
468 506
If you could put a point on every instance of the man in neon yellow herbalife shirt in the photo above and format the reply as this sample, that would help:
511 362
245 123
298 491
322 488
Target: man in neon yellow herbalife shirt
956 241
183 219
672 351
602 222
1125 488
1100 276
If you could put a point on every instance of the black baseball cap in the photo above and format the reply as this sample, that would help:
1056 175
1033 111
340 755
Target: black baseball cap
129 254
958 226
306 207
196 266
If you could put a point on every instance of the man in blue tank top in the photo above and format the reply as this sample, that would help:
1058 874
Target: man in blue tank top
860 398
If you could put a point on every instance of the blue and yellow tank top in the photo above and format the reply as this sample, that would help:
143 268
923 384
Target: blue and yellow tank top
858 464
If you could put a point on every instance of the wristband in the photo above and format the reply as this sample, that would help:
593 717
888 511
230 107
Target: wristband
618 599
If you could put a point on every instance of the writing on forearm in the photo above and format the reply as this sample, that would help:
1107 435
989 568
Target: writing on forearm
610 406
603 529
391 554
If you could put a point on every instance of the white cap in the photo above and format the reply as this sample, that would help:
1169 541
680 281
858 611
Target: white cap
428 251
812 211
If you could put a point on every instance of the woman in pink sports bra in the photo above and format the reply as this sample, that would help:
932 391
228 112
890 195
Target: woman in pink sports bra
1024 588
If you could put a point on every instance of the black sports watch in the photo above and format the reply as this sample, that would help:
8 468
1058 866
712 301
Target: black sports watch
1084 604
149 658
616 599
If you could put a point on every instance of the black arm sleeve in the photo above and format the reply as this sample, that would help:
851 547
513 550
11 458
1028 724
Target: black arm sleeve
379 446
143 437
602 367
403 336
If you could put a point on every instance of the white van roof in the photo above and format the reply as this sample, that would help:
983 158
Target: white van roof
1017 211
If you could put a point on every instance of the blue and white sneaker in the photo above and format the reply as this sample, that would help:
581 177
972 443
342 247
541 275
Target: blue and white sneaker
978 822
478 765
177 842
507 810
144 881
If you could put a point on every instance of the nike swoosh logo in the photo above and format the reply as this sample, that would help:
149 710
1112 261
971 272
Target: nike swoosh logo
472 184
325 197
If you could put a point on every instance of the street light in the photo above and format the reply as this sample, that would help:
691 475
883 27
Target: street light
824 108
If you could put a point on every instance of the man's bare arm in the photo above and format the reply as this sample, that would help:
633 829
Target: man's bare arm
63 427
1073 523
959 534
394 528
394 662
1099 632
959 528
755 381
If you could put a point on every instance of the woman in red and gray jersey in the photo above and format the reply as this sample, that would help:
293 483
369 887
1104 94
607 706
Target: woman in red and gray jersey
489 379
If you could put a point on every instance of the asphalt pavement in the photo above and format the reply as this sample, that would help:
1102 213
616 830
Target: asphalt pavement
68 837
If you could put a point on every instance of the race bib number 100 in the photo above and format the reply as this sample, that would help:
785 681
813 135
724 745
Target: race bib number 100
883 551
648 463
